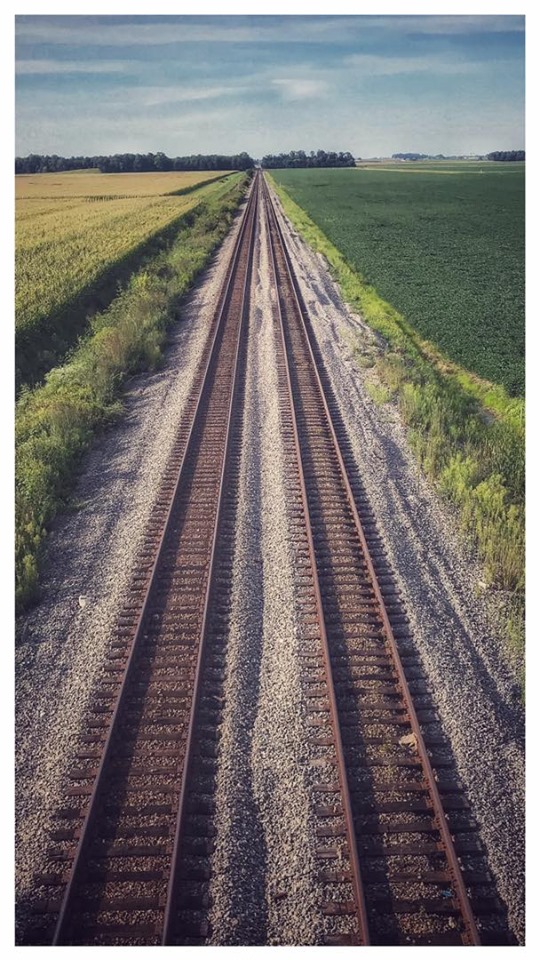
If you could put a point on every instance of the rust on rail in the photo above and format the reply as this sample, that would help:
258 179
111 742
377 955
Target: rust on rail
298 350
132 791
205 444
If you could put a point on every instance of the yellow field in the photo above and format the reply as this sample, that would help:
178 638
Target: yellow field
95 184
65 245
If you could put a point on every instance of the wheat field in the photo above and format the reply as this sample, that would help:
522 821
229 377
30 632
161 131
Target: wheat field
66 240
87 184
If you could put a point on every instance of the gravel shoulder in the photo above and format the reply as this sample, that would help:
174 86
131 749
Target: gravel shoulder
453 622
90 554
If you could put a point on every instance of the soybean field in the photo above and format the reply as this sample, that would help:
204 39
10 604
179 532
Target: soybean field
443 243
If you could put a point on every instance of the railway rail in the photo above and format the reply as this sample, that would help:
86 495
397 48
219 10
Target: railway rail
131 793
131 862
388 858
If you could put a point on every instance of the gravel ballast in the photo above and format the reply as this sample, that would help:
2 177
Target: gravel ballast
475 685
262 889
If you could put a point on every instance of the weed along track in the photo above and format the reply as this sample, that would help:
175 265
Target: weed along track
395 855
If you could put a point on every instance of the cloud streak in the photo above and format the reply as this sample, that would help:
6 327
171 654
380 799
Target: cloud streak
156 96
61 30
43 67
95 31
381 66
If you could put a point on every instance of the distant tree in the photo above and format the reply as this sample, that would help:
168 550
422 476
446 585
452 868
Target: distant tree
129 162
299 159
411 156
139 165
161 162
506 156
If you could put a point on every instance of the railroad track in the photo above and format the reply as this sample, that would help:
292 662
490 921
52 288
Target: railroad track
387 854
135 837
140 800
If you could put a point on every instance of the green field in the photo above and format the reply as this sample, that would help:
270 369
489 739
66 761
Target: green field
442 242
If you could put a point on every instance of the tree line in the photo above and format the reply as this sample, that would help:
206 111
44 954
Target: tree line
433 156
506 155
132 163
415 156
299 158
496 155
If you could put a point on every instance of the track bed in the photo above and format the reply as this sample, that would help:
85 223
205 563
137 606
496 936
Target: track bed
397 858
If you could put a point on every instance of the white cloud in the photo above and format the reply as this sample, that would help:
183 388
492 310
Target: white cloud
306 29
300 88
450 24
57 30
156 96
122 97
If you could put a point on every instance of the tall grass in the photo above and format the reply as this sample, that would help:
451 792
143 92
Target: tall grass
55 423
467 433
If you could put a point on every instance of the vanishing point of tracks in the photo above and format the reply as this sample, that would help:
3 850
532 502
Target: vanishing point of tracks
130 865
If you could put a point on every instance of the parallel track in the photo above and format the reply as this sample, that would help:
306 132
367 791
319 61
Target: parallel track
385 809
123 885
131 866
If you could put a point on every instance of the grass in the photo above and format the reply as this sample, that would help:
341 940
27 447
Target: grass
468 434
443 243
55 423
379 393
72 251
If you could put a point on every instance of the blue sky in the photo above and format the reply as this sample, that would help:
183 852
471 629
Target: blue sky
374 85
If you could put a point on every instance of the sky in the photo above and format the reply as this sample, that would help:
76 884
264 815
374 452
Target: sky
374 85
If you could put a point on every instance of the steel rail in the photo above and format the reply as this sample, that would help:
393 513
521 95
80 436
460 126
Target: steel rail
168 923
63 922
356 882
471 935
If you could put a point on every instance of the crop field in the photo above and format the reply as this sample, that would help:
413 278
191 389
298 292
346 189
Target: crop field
69 247
442 242
94 184
64 248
